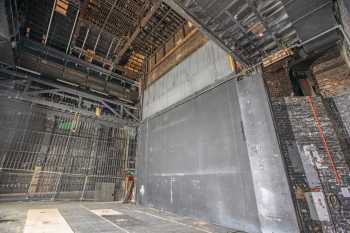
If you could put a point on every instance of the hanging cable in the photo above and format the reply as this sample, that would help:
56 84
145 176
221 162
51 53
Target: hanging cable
324 140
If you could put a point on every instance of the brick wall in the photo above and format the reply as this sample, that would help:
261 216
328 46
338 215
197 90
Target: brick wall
332 74
339 109
277 79
299 139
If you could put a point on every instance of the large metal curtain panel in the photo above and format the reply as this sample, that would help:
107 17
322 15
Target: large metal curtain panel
49 154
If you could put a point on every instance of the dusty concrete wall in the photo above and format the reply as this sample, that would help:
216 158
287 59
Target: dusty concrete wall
204 67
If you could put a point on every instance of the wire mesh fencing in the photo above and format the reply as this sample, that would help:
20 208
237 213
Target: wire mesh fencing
48 154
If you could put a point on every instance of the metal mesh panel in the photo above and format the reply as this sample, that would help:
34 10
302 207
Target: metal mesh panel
50 154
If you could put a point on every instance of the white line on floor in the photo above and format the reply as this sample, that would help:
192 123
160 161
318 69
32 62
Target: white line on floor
173 221
106 212
46 221
120 228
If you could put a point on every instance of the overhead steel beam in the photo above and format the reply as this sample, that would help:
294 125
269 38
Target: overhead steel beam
46 91
160 21
204 30
262 19
63 107
111 109
144 21
114 106
48 52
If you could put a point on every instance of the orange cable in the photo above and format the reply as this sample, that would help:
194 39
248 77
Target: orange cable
324 140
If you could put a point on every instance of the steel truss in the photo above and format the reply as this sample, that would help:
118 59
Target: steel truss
28 85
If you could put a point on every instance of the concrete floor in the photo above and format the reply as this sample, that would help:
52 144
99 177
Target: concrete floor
95 217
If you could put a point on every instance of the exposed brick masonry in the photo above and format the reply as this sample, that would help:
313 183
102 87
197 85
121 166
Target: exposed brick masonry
332 75
277 79
296 128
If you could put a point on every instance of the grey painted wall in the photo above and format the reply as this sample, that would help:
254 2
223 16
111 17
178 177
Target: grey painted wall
216 157
196 162
272 193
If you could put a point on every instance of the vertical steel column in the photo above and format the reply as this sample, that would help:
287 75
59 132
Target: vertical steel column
110 47
76 116
91 162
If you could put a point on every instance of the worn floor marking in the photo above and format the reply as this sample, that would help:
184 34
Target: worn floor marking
173 221
46 221
101 212
115 225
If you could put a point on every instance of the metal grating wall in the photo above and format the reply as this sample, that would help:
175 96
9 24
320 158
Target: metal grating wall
48 154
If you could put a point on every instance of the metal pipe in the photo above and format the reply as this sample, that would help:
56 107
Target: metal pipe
310 13
345 35
72 32
76 120
50 22
316 37
97 40
85 39
110 48
104 23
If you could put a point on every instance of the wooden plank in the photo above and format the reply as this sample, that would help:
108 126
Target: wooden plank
176 55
